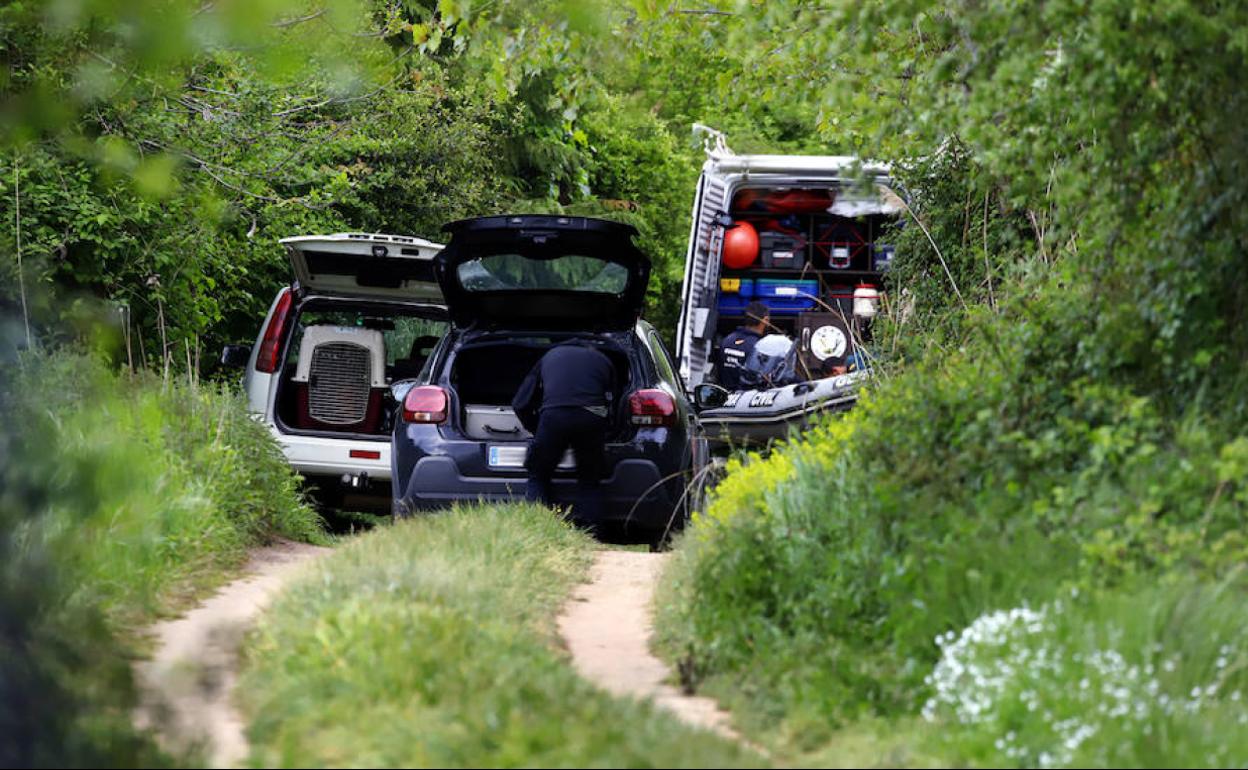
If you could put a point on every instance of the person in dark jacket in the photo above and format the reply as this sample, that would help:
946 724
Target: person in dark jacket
735 349
565 403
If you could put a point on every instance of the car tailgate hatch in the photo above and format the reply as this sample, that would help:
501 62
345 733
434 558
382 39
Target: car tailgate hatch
543 272
369 265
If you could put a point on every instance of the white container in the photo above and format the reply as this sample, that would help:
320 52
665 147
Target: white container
866 301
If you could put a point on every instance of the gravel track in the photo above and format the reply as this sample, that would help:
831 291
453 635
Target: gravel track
607 626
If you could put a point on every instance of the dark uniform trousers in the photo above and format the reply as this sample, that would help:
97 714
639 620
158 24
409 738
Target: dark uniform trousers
560 428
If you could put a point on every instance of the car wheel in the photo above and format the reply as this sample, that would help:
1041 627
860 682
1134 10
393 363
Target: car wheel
693 498
400 509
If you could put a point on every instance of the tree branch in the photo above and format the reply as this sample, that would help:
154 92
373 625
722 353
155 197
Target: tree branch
287 23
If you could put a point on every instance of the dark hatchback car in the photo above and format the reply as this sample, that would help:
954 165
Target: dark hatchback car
514 287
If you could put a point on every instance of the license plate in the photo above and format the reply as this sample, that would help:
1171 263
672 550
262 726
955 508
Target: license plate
512 456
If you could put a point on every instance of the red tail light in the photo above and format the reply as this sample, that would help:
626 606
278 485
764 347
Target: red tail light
426 403
271 345
652 407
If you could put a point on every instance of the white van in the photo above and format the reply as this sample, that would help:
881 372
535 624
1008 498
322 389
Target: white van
823 226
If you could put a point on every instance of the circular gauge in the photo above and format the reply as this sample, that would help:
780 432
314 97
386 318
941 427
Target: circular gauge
828 342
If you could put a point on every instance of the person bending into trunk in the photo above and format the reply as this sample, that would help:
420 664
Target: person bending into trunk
735 350
565 402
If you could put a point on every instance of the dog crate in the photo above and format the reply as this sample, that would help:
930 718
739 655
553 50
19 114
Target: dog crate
340 379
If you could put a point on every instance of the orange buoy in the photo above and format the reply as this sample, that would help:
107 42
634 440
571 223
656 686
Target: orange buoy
740 245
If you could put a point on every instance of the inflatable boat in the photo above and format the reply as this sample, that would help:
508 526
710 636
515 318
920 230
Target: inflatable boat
759 416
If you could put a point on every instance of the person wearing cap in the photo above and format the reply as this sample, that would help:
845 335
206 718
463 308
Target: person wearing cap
735 349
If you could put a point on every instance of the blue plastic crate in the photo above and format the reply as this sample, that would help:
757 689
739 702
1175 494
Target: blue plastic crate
786 295
733 303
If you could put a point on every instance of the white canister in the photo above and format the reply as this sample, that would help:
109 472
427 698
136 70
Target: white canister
866 301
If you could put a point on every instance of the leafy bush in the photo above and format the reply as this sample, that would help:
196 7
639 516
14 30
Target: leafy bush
118 499
998 476
1070 418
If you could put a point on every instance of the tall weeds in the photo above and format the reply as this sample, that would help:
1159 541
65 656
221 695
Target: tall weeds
119 498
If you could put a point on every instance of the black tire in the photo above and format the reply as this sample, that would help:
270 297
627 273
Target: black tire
400 509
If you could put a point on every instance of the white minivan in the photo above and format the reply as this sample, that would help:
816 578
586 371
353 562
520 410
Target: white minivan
363 310
823 228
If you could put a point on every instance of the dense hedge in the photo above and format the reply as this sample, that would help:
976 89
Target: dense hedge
995 477
1052 466
119 499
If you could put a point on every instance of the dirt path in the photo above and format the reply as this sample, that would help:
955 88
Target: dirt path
188 685
607 626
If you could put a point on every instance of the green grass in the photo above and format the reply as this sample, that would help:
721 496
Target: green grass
432 644
1136 674
120 500
1153 677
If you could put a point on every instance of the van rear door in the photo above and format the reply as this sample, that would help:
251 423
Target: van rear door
696 330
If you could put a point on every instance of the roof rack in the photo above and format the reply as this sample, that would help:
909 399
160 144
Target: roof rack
714 141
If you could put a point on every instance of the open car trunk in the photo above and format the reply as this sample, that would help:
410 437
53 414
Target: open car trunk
487 375
340 361
542 272
365 266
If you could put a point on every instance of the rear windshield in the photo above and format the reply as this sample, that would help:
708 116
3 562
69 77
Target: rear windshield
568 272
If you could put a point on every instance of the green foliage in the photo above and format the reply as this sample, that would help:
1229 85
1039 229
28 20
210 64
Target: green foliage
987 480
118 500
162 476
1070 417
189 246
1111 129
160 171
432 644
1146 678
639 174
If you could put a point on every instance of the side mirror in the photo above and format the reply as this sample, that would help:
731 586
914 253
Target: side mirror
236 355
708 396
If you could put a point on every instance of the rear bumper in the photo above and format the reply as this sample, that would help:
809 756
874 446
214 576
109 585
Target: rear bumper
321 456
635 494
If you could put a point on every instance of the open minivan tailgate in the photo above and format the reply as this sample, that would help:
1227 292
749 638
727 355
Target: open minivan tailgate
370 265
